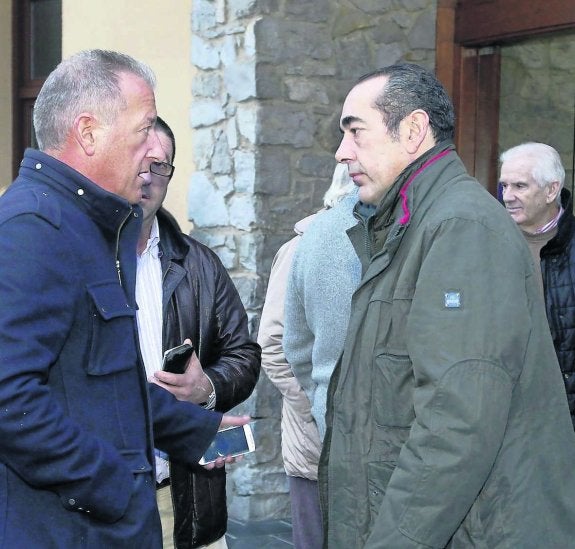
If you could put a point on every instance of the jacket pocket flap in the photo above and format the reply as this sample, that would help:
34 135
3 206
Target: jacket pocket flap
110 300
137 460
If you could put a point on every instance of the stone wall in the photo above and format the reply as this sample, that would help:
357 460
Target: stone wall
271 79
538 95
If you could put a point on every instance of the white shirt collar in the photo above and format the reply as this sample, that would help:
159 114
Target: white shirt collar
152 246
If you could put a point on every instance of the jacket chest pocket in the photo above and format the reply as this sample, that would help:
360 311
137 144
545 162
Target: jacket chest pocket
113 346
393 386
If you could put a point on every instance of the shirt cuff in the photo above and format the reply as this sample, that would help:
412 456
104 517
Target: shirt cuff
210 404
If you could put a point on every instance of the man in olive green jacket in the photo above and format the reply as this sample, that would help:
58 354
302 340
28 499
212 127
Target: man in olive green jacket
447 420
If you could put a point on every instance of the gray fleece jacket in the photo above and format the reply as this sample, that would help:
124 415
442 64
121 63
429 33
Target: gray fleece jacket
324 274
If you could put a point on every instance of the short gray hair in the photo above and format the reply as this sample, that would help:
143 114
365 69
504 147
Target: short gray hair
547 166
87 81
341 186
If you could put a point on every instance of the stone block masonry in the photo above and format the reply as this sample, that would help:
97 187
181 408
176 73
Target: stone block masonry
271 76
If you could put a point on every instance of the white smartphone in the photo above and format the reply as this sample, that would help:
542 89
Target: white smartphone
233 441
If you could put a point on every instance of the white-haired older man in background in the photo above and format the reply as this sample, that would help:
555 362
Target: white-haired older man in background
532 178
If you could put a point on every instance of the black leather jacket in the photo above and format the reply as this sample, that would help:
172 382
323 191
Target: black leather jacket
558 270
201 302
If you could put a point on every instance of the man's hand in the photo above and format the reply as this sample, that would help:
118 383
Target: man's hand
192 386
228 421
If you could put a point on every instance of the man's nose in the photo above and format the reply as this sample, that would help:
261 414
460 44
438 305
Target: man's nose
344 152
507 194
147 177
154 146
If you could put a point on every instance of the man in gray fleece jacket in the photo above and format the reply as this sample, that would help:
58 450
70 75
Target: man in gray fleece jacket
324 273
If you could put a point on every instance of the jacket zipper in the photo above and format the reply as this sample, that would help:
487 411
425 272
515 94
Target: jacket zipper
118 266
365 223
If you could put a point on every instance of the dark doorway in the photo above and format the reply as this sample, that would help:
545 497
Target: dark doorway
37 31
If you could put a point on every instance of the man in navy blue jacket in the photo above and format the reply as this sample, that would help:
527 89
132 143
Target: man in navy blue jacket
77 421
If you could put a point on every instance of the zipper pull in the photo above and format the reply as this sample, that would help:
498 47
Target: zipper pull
119 271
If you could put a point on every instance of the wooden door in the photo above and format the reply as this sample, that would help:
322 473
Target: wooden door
468 40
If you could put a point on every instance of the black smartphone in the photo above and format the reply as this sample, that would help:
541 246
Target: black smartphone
176 358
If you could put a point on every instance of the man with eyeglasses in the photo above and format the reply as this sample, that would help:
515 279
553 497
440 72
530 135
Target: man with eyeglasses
184 293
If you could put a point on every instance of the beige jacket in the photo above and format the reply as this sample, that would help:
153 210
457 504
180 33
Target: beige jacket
301 446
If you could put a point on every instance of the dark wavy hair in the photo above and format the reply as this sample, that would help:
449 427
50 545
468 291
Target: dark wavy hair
410 87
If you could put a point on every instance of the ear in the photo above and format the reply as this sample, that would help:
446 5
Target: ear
415 130
84 132
552 192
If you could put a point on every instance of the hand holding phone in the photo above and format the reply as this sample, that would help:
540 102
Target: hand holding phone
176 358
232 441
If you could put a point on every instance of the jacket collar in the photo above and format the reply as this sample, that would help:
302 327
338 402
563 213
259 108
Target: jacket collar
393 214
172 243
301 226
173 252
407 189
108 210
565 227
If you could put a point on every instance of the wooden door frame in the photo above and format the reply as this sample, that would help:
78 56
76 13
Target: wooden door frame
469 34
25 85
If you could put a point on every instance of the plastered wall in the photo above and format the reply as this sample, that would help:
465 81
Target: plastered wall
157 33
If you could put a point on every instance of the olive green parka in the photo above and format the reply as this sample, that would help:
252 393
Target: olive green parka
448 423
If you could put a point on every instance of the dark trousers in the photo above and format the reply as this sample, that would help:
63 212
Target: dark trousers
305 513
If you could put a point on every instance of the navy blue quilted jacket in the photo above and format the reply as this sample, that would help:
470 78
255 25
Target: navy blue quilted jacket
558 271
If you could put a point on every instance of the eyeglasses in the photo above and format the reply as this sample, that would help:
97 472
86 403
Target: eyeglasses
162 168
